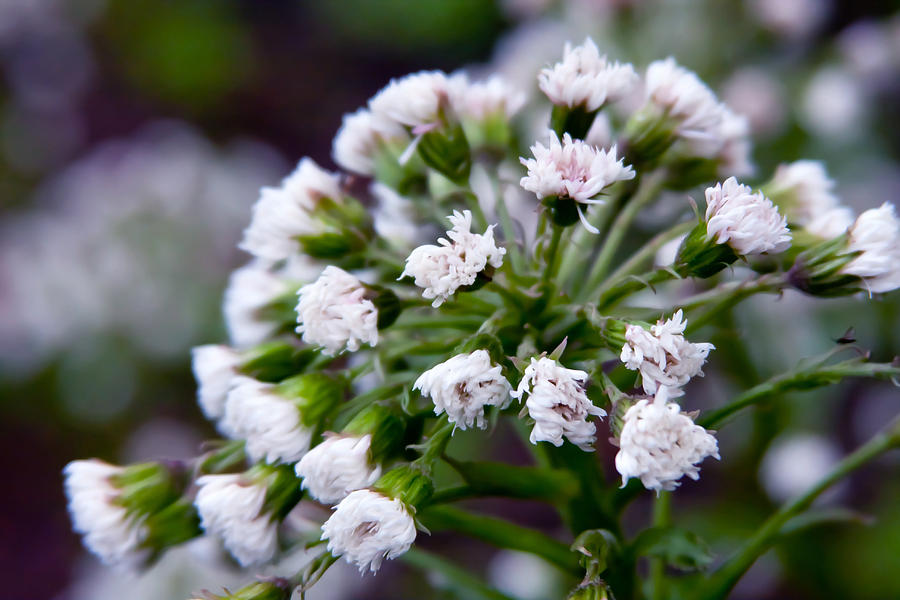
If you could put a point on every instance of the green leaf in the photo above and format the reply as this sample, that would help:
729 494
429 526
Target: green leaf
679 548
534 483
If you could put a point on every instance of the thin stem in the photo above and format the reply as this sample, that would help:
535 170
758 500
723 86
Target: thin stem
662 517
647 192
454 494
729 573
615 294
582 243
717 303
509 234
552 256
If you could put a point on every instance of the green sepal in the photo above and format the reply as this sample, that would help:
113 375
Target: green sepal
147 488
596 548
388 304
817 270
408 483
649 134
701 256
385 427
224 458
563 210
274 361
446 150
283 491
591 590
173 525
483 341
316 395
576 121
275 589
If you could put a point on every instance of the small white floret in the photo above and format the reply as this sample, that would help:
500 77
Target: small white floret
747 222
214 366
361 137
333 312
586 78
336 467
876 235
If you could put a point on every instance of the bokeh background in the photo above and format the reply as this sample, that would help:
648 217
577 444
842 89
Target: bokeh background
134 135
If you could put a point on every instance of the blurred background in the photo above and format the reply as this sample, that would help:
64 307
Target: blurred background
135 134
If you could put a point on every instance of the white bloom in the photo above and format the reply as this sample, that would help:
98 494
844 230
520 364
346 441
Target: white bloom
415 100
662 355
734 144
463 386
684 97
334 313
269 422
573 169
232 508
747 222
367 527
791 18
214 368
558 404
659 445
482 99
361 136
394 217
250 289
584 77
876 234
441 270
831 223
336 467
808 189
796 462
284 213
109 531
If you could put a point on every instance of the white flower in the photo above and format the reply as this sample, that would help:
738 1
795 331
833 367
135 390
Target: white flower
662 355
808 190
681 95
573 169
109 531
558 404
250 289
441 270
231 507
480 100
284 213
214 368
463 386
831 223
876 234
659 445
338 466
584 77
361 136
269 422
796 462
415 100
334 312
367 527
394 217
747 222
734 144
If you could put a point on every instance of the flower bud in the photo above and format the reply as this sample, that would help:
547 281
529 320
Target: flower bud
274 589
385 427
407 483
446 150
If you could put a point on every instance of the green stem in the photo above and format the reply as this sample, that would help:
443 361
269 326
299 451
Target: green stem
724 579
454 494
582 243
434 322
509 234
470 586
662 517
615 294
646 193
726 297
552 256
502 534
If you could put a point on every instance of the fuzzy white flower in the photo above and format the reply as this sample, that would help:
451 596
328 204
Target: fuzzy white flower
480 100
662 355
334 312
269 422
573 169
109 531
394 217
416 100
658 444
586 78
682 96
558 404
831 223
282 214
463 386
214 366
367 527
338 466
876 235
361 136
747 222
807 188
231 507
441 270
250 288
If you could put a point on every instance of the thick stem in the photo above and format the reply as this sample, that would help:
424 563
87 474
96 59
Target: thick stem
662 517
552 256
721 583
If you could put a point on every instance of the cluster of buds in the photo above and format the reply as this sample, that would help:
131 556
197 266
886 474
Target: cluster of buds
361 343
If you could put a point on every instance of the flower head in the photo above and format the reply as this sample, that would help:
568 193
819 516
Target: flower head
361 137
283 214
662 355
682 96
463 386
416 100
268 421
803 190
109 530
394 217
876 236
232 507
250 289
338 466
586 78
481 100
456 262
572 169
214 368
367 527
747 222
558 404
333 312
659 444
